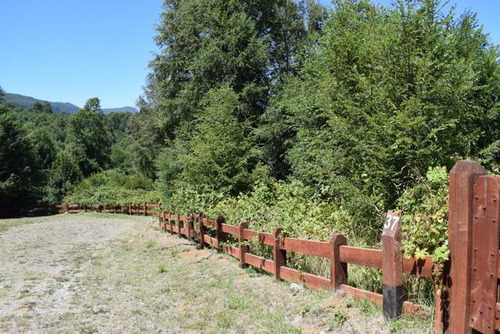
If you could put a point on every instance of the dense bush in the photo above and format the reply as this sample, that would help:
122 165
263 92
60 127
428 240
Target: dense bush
114 187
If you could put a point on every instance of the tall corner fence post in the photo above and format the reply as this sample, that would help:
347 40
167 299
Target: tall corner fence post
202 230
219 233
338 269
463 176
279 255
241 244
392 267
485 235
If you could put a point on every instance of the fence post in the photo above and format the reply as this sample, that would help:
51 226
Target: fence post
392 267
202 230
484 282
463 176
219 233
243 249
279 255
179 226
145 209
170 222
190 226
338 270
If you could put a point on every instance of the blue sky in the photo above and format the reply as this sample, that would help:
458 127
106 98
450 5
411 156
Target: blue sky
70 50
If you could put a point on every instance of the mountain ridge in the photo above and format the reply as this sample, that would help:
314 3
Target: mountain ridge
26 102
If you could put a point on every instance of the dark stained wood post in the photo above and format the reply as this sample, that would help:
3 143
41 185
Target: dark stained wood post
202 230
190 226
145 209
180 225
171 222
392 267
221 238
463 176
338 270
279 255
243 249
486 211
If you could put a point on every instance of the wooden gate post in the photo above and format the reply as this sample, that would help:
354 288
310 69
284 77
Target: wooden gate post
463 176
392 267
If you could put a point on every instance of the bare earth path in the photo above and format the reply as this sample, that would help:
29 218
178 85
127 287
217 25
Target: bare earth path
104 273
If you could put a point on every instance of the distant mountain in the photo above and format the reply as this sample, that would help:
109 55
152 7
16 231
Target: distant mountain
122 109
27 102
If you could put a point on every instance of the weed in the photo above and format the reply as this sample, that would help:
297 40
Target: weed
340 318
236 303
162 269
150 244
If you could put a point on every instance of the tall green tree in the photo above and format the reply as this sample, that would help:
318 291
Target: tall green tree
88 139
220 155
19 175
93 104
386 94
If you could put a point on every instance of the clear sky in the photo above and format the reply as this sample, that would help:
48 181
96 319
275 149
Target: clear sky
70 50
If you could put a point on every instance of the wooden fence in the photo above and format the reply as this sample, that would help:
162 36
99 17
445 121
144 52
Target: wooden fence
470 298
216 232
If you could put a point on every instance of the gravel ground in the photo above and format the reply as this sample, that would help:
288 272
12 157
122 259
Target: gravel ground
104 273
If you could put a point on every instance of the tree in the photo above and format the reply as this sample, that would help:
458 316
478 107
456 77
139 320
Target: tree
89 141
93 104
2 94
19 176
44 107
388 94
220 154
65 174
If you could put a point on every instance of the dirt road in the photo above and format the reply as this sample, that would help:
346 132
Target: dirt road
109 273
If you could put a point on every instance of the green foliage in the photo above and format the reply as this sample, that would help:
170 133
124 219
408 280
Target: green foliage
425 215
20 178
385 95
93 104
113 186
220 154
89 141
42 107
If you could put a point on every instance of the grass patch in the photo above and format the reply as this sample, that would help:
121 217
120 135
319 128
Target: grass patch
6 224
150 244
